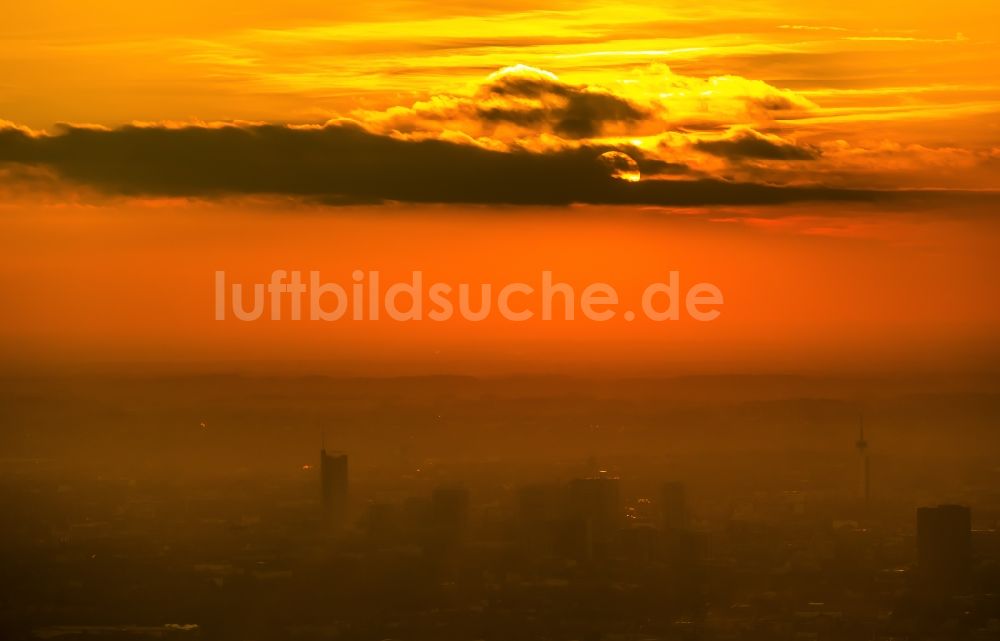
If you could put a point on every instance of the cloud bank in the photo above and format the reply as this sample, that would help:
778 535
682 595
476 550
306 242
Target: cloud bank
521 137
342 162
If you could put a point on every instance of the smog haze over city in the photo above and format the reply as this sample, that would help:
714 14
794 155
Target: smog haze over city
564 321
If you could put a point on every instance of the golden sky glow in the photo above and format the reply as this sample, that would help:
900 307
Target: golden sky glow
234 113
888 93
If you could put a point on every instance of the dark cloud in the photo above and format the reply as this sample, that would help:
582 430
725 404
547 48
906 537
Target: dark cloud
517 103
573 111
343 163
656 167
751 144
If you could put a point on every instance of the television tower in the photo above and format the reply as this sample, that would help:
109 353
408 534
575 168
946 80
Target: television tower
862 445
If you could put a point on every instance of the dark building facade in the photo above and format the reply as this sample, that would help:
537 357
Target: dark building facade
944 546
333 485
672 506
595 506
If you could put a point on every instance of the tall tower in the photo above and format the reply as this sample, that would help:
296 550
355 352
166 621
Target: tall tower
333 485
862 446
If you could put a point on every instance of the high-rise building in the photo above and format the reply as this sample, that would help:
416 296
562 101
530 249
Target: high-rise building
672 506
944 546
541 512
865 480
449 514
597 498
680 544
333 485
595 504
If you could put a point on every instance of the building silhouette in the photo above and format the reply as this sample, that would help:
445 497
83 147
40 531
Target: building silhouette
541 517
333 485
944 546
595 506
449 515
672 506
862 446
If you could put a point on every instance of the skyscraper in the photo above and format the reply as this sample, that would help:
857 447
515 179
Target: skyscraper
672 506
333 485
944 546
596 505
862 445
449 515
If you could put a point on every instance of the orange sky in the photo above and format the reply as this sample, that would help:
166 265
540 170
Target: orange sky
109 258
133 283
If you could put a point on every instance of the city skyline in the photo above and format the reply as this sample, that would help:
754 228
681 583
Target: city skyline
409 320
